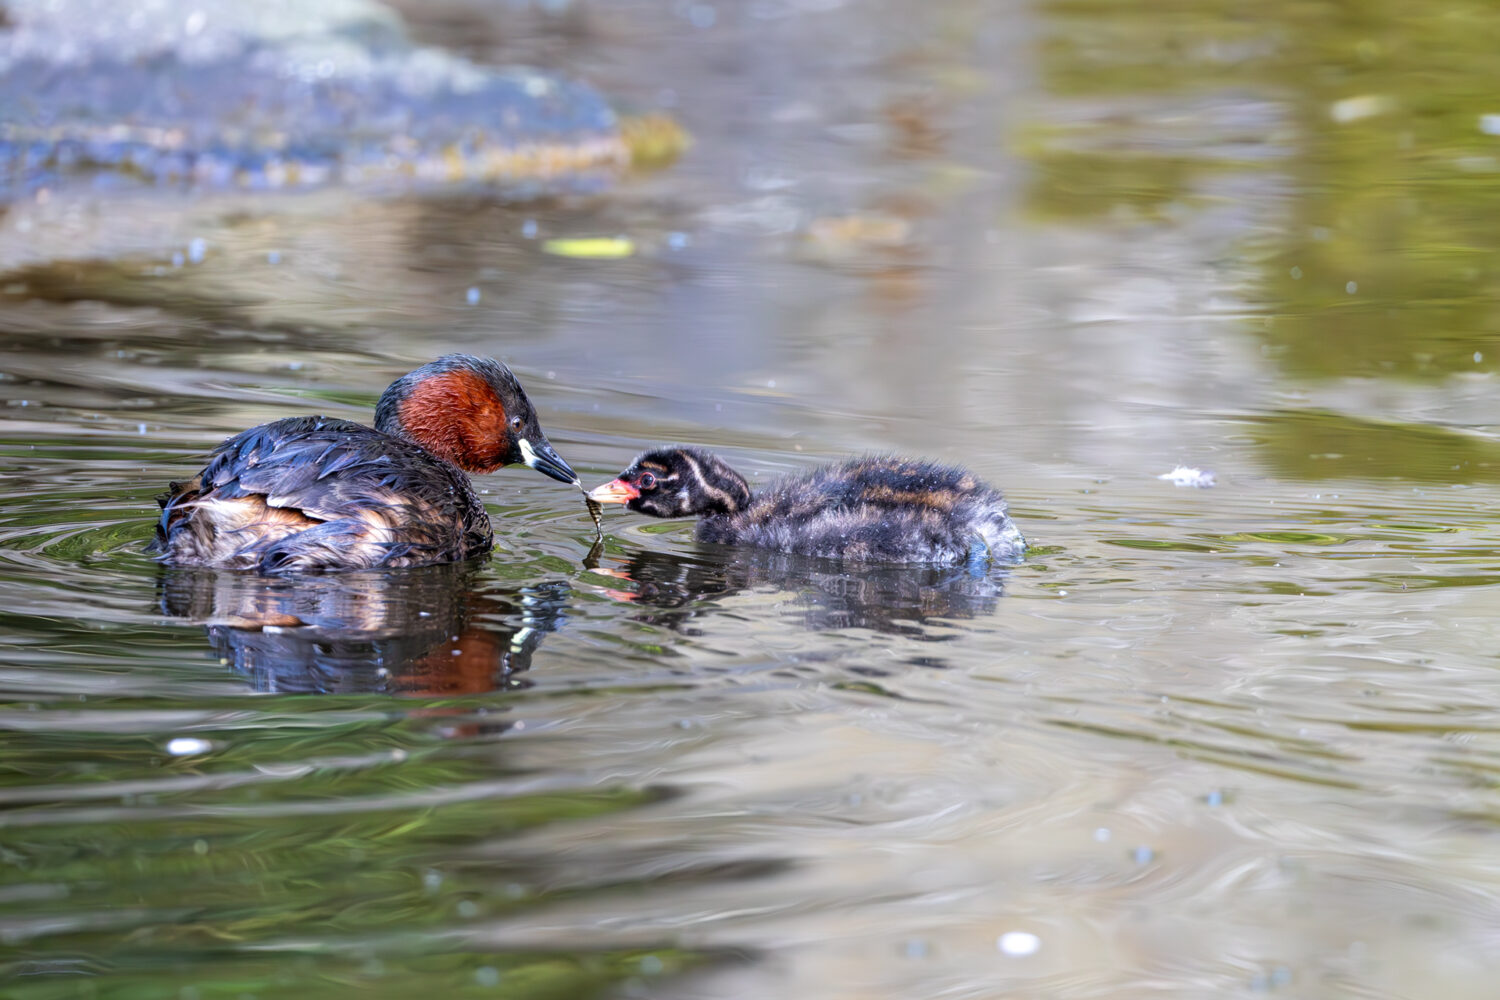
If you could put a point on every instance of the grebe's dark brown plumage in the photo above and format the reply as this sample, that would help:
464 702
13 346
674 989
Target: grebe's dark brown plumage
877 508
319 493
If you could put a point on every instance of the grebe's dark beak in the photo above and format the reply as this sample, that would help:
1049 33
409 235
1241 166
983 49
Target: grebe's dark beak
543 459
615 491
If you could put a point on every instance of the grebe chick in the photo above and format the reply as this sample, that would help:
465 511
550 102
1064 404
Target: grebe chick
876 508
319 493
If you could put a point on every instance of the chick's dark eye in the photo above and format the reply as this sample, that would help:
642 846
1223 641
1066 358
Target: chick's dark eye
646 481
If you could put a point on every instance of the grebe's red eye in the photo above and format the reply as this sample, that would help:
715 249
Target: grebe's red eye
646 481
515 424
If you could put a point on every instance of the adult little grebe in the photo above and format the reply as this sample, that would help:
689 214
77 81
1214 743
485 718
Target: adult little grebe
876 508
319 493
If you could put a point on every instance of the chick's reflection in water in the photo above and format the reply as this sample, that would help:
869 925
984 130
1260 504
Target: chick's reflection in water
893 599
429 631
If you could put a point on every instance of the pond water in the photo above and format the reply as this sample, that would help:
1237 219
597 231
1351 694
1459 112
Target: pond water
1203 742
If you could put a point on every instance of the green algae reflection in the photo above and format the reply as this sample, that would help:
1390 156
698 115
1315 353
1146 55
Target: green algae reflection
1315 445
322 845
1374 124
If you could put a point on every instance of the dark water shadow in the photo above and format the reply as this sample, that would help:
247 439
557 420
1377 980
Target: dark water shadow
674 590
433 631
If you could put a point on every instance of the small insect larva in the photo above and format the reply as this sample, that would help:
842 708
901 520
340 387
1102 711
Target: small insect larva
595 511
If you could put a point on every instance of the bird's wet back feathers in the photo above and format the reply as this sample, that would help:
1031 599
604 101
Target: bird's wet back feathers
339 489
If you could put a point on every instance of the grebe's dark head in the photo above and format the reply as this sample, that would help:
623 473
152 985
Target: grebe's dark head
676 482
472 412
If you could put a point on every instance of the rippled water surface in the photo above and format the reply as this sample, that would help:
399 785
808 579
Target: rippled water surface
1202 742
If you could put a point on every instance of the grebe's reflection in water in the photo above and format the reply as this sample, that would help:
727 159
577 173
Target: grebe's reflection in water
437 630
904 600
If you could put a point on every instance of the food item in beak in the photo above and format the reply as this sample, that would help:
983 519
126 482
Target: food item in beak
596 510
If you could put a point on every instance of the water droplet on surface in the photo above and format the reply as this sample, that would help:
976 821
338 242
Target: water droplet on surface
1018 943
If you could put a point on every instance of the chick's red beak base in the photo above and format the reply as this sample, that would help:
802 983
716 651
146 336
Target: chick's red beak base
615 491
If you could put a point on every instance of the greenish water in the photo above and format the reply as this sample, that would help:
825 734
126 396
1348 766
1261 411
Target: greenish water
1228 742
